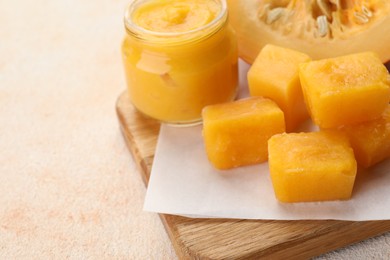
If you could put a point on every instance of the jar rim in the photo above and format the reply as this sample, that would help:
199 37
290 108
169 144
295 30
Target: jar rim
133 27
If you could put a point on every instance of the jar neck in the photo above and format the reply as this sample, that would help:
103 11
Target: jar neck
173 38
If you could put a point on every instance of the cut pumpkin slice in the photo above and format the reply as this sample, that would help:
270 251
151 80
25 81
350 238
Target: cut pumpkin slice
319 28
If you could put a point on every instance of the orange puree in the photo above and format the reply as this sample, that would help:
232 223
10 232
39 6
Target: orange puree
179 56
177 15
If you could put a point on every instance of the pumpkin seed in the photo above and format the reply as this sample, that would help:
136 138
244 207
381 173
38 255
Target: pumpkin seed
274 14
322 23
366 11
360 18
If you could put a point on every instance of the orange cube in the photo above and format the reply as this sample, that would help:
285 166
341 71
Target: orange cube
274 74
315 166
345 90
370 140
237 133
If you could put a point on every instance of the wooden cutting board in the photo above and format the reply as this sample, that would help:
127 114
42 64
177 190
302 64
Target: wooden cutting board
232 238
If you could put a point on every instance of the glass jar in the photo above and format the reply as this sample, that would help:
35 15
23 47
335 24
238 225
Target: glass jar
172 75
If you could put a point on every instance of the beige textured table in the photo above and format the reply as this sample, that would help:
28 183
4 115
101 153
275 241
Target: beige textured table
69 187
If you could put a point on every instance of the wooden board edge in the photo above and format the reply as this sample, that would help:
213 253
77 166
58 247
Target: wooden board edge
318 244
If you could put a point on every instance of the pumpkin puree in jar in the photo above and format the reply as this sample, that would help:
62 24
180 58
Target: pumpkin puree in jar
176 16
179 57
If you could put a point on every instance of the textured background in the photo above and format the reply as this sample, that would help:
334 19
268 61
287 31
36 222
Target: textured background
69 188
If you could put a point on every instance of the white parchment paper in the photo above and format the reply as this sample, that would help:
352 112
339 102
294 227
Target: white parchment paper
183 182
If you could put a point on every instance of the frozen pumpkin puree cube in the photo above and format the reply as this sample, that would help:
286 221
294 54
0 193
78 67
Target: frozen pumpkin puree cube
370 140
274 74
345 90
315 166
236 133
